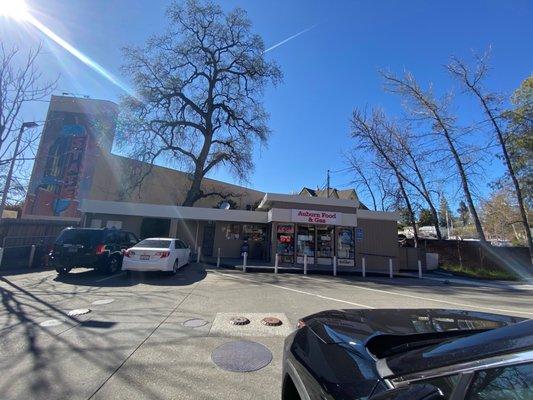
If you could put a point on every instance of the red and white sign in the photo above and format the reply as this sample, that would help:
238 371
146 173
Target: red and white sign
316 217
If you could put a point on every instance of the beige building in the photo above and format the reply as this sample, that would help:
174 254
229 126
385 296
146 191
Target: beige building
77 176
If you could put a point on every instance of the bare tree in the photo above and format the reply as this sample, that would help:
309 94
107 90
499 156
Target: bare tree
413 165
426 107
199 88
373 135
472 81
21 83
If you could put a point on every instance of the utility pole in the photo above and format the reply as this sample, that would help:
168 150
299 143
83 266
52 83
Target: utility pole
327 184
12 164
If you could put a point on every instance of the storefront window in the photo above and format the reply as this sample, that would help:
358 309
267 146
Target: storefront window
306 243
324 241
233 232
345 246
255 233
285 243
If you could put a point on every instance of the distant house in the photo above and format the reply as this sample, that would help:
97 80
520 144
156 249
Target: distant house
346 194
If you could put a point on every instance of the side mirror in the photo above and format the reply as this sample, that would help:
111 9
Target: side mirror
411 392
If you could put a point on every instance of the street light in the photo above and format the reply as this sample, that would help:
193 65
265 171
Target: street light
25 125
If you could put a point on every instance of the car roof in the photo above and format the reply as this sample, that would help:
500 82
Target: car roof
159 238
514 338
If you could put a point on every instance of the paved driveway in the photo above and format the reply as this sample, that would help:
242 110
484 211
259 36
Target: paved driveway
136 347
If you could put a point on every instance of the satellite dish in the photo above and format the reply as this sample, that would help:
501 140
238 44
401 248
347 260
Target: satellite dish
224 205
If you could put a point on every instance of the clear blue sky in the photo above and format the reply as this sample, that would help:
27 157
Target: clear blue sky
328 70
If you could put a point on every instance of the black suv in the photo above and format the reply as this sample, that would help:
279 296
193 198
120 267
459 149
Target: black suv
90 248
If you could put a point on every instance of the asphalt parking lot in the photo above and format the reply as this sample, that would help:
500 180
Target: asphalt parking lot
133 344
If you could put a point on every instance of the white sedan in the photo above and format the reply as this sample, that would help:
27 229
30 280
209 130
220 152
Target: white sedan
156 254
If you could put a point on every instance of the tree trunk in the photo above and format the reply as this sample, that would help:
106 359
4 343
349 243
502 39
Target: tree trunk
194 193
464 183
409 208
511 172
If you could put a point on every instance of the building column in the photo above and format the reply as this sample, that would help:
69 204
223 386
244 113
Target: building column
173 230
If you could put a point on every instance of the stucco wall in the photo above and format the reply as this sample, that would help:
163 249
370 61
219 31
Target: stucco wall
380 242
113 176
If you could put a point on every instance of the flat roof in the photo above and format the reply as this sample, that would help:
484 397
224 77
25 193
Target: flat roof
269 198
164 211
213 214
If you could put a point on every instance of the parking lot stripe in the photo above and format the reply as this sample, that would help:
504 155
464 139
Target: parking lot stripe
296 290
434 300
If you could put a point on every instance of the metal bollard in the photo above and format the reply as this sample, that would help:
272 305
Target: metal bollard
334 265
419 269
198 255
390 268
305 264
276 263
363 265
244 256
218 258
1 255
32 256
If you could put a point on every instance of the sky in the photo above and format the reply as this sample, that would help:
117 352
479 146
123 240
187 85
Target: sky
329 69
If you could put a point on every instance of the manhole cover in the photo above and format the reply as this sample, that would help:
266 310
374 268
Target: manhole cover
239 321
271 321
78 311
51 322
195 323
103 301
241 356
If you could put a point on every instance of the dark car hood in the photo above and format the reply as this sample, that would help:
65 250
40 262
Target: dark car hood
358 326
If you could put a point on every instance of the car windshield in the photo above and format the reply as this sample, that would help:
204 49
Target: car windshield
154 243
83 237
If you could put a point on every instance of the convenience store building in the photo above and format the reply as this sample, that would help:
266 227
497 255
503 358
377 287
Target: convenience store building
292 226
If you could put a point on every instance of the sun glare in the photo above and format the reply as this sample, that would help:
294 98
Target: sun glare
15 9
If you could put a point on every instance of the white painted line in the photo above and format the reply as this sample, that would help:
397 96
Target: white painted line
295 290
109 277
434 300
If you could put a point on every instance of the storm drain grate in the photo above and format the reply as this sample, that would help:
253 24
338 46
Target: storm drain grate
271 321
195 323
102 302
51 322
239 321
78 311
241 356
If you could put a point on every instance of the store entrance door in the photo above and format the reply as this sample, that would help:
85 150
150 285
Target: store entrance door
324 245
305 243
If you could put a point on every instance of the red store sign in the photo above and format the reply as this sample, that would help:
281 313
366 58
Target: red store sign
316 217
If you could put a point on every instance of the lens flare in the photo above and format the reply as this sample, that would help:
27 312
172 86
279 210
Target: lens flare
18 10
15 9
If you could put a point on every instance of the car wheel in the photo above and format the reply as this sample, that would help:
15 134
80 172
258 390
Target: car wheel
175 267
113 265
63 271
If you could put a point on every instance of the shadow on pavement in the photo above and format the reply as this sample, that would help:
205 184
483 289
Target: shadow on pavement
186 275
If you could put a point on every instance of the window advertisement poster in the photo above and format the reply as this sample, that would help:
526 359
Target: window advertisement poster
359 234
306 244
285 242
345 247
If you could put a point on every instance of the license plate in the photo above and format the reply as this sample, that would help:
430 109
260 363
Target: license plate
72 249
144 257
